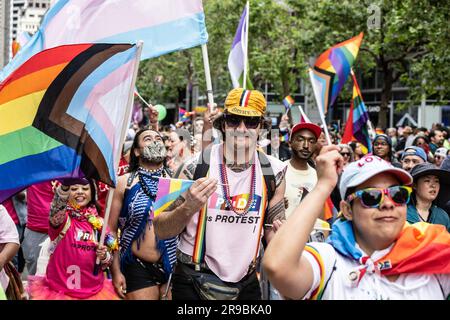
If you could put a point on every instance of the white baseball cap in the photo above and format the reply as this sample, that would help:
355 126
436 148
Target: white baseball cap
367 167
441 152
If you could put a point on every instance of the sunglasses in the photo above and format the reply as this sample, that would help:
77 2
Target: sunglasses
345 154
374 197
233 121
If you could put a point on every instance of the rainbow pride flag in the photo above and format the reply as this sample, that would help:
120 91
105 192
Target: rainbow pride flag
331 70
356 127
61 115
421 248
168 191
330 210
288 102
184 115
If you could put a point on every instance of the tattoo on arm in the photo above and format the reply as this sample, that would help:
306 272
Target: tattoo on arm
279 177
189 170
178 202
276 212
58 204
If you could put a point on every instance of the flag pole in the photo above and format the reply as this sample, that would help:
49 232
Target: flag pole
209 88
322 116
244 79
125 124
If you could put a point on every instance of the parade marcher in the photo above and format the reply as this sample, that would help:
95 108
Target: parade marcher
346 153
392 133
422 207
300 176
411 157
439 156
75 228
437 140
372 253
406 138
39 198
142 267
238 193
9 246
382 147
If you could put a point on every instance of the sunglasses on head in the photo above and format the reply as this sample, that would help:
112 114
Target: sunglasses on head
234 121
374 197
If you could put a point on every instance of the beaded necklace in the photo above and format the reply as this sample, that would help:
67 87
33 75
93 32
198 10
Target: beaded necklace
149 180
226 190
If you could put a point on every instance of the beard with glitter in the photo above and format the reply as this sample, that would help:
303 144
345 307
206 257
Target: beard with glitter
155 152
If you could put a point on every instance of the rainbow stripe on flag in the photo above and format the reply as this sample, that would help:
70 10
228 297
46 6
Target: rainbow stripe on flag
168 191
330 210
331 70
285 137
356 127
61 113
288 102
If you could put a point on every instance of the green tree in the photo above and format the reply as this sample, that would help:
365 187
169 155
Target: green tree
409 44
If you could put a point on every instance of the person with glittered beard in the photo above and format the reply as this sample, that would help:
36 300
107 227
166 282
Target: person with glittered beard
75 229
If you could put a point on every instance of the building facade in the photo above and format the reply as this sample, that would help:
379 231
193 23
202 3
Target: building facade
5 32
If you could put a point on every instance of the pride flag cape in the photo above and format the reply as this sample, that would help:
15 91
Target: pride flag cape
356 127
421 248
61 114
168 191
288 102
164 26
331 70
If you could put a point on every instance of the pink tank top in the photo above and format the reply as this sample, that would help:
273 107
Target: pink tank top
232 240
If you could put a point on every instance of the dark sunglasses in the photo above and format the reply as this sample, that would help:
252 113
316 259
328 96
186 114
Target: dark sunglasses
345 154
374 197
233 121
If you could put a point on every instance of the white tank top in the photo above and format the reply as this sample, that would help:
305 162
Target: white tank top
232 240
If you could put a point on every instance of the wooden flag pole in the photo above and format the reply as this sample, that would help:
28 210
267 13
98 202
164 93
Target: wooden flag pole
125 124
209 88
322 116
247 19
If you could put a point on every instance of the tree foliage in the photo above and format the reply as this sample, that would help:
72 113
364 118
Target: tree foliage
405 40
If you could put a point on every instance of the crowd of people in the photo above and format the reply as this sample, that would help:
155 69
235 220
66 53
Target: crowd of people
254 224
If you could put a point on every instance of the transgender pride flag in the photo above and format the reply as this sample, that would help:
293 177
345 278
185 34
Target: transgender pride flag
61 113
164 26
236 59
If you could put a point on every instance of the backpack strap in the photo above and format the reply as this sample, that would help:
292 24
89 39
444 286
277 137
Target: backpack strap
269 176
202 168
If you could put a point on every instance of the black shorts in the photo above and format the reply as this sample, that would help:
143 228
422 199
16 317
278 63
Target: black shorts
142 274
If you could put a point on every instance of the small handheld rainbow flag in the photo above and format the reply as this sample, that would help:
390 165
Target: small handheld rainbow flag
357 123
288 102
332 69
285 137
168 191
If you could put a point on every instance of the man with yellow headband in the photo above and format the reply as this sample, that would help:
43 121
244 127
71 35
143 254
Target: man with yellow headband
236 200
